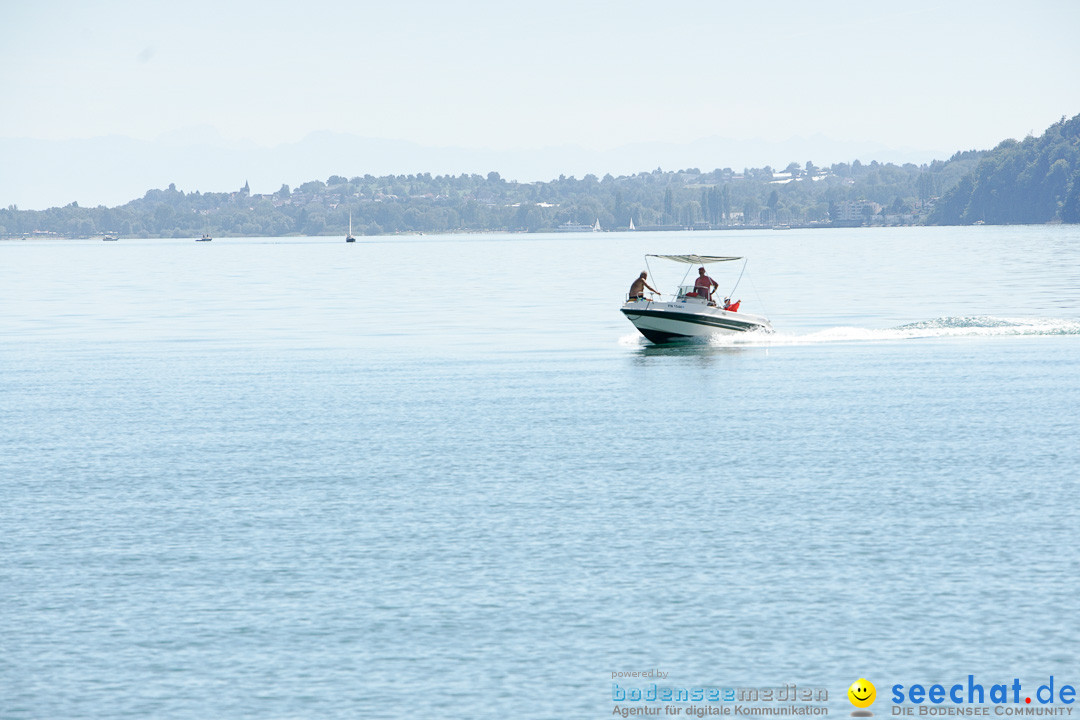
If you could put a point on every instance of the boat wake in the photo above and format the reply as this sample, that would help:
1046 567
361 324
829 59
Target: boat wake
947 327
977 326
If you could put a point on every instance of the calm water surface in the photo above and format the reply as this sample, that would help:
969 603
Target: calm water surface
444 477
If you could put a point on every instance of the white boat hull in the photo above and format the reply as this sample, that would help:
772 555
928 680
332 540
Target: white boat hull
666 321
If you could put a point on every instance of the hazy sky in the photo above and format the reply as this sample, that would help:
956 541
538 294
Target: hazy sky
502 74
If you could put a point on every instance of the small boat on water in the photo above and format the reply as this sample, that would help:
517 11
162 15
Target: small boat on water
205 238
108 238
349 237
691 312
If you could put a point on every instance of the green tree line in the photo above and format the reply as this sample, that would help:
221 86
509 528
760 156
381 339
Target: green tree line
800 194
1036 180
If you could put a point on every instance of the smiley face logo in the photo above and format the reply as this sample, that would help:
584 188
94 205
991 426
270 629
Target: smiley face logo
862 693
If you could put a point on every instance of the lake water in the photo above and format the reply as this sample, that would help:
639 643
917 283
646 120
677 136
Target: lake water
443 477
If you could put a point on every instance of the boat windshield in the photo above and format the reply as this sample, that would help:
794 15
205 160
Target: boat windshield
690 292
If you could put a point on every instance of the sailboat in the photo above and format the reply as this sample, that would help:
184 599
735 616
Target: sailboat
631 223
349 237
596 227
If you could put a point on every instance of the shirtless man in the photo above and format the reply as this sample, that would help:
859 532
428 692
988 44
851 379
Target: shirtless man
637 288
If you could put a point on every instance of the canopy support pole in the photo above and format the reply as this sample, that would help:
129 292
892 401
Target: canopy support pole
732 293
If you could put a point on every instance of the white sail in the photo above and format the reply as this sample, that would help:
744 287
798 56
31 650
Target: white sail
631 223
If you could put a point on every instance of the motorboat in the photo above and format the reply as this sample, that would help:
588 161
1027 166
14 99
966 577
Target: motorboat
690 313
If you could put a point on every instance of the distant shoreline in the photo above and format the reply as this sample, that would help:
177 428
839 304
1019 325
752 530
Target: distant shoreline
362 239
1012 184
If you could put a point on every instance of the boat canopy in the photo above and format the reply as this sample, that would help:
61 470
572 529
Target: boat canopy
696 259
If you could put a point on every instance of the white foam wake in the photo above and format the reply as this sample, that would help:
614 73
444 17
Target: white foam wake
983 326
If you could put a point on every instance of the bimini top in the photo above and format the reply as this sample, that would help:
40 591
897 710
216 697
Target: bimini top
696 259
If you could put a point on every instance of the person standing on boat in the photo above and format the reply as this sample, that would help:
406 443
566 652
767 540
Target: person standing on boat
637 288
705 286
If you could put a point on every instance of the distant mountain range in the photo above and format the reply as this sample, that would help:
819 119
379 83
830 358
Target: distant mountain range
39 174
